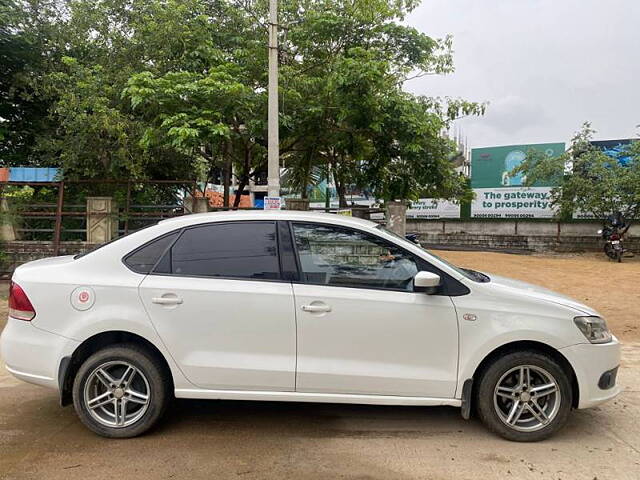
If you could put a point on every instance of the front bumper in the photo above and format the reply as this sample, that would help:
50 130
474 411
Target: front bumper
590 362
32 354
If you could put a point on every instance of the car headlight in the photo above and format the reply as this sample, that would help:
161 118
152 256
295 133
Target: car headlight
594 328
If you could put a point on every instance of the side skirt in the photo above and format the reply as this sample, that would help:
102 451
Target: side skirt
313 397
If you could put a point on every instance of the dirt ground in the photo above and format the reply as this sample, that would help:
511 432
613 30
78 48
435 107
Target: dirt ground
255 440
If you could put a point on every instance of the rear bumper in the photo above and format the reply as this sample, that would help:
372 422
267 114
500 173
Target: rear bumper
32 354
590 362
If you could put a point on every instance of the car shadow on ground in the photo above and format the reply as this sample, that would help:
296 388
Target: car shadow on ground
38 414
327 420
314 419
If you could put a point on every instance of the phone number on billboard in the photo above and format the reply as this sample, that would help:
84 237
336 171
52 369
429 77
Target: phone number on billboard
504 215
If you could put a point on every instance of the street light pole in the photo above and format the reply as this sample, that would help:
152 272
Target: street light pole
273 155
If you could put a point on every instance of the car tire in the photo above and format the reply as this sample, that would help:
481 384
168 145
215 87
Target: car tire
120 391
513 402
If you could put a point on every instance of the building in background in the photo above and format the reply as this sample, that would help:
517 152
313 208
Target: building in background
462 159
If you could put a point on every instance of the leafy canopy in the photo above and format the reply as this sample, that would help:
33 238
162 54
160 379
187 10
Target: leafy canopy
177 89
587 179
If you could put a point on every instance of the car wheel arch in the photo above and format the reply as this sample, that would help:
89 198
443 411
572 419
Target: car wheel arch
528 345
69 365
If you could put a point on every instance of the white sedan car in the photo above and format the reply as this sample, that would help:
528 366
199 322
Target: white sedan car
304 307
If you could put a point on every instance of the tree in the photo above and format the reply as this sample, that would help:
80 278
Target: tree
24 33
95 138
140 89
209 115
102 44
344 110
413 158
587 180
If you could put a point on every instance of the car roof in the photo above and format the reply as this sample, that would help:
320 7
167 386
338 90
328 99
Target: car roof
295 215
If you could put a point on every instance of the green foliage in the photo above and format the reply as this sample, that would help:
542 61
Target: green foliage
140 89
588 180
24 28
412 159
14 200
96 139
344 110
191 112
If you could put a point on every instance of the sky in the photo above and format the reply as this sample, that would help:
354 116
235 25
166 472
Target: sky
544 66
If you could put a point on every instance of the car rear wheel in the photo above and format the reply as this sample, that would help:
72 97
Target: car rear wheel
524 396
120 392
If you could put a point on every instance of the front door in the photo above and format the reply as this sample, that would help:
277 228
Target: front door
217 301
361 327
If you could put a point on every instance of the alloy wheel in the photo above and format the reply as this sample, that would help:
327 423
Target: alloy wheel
527 398
117 394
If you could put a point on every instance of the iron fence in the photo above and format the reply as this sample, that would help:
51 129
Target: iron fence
52 221
63 215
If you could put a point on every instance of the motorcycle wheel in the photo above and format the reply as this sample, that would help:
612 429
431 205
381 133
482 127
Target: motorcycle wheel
608 250
619 255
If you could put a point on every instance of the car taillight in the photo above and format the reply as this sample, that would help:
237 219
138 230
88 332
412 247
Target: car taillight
19 305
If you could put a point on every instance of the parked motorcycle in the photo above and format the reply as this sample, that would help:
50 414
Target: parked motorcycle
613 232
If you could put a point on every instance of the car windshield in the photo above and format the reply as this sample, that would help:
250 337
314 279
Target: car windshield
466 272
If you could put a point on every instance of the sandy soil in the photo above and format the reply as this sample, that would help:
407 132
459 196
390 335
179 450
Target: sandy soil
258 440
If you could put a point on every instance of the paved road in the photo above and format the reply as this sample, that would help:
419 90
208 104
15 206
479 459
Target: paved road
215 439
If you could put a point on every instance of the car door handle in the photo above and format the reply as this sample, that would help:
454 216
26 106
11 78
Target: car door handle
316 308
167 300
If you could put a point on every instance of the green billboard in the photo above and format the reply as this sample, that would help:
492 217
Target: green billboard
491 166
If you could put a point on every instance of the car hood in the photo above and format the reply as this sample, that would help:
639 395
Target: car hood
517 287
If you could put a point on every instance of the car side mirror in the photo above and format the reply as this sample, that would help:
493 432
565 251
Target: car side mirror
426 282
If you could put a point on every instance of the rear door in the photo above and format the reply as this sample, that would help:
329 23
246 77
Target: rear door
218 301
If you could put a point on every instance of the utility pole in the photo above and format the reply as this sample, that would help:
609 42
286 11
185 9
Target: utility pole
273 156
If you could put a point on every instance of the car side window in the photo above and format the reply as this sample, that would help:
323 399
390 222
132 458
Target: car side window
143 259
344 257
232 250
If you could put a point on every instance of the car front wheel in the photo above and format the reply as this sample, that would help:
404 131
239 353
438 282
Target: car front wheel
120 392
524 396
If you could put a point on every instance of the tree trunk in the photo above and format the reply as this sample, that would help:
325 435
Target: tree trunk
341 190
238 197
244 180
226 174
304 193
342 195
